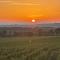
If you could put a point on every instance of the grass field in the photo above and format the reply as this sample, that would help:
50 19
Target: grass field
30 48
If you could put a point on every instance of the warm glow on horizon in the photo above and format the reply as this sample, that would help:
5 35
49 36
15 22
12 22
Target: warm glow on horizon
26 10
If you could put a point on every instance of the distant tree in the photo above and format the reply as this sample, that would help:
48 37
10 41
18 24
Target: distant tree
3 33
57 30
40 32
51 32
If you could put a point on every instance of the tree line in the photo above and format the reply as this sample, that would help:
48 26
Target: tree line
32 32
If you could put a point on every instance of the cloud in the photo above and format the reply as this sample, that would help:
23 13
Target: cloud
24 3
5 1
17 3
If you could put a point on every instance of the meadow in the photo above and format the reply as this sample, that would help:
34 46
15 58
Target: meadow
30 48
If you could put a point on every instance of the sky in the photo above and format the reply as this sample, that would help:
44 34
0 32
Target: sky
26 10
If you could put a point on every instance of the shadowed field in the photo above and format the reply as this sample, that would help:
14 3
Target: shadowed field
30 48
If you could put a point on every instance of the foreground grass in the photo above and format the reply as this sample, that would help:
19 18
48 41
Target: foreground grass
30 48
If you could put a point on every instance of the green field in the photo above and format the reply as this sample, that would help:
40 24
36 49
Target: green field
30 48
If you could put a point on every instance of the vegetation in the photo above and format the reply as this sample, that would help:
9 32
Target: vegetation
30 48
27 31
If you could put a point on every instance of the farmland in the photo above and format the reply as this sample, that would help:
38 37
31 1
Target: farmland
30 48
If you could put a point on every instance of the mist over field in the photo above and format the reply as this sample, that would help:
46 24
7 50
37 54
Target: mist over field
30 24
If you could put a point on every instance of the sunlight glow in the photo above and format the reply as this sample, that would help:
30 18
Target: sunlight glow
33 21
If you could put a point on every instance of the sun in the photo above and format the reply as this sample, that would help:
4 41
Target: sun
33 21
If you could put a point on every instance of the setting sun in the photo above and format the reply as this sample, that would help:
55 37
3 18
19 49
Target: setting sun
33 21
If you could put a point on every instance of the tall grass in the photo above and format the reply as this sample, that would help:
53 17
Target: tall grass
30 48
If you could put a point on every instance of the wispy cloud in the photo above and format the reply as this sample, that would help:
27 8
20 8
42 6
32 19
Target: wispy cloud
17 3
5 1
25 3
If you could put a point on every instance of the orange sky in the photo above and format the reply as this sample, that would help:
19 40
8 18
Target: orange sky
26 10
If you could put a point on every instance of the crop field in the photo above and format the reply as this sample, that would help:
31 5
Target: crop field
30 48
